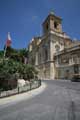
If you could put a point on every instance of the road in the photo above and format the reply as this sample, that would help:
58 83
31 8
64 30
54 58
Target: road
60 100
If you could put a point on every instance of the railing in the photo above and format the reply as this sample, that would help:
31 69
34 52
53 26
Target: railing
61 65
18 90
74 62
67 64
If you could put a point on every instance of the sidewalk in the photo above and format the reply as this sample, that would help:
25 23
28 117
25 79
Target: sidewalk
23 96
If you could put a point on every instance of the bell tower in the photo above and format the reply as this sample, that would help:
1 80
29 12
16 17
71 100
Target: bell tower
52 22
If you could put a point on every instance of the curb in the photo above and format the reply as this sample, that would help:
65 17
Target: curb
23 96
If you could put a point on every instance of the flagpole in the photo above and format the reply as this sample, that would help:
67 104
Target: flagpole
5 51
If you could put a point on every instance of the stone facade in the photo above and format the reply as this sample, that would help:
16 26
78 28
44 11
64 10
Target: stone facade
48 51
67 62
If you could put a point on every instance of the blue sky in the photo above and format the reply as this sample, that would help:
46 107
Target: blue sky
23 19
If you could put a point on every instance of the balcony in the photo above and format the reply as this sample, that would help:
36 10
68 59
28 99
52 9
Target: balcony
57 64
61 65
74 61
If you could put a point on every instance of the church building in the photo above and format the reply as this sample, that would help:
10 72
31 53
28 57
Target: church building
54 54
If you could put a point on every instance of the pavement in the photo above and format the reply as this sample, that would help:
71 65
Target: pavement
57 100
23 96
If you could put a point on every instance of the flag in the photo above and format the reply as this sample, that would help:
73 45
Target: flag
8 41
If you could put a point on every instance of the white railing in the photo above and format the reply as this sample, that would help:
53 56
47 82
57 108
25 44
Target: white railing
77 61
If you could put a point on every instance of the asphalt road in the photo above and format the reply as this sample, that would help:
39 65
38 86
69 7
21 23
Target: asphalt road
59 101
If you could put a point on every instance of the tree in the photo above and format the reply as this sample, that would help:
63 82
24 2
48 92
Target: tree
11 70
17 55
8 70
23 53
1 53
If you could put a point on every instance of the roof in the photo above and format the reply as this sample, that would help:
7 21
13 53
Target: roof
52 15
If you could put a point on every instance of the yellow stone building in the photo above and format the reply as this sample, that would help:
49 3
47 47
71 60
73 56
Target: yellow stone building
54 54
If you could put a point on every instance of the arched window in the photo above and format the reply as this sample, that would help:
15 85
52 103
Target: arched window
57 47
55 25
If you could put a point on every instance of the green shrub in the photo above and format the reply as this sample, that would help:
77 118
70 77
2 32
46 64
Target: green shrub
13 70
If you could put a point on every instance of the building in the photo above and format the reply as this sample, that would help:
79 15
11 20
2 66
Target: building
55 54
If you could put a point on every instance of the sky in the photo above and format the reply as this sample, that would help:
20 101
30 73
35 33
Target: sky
23 19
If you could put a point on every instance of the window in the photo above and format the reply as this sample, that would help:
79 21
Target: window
33 61
39 58
65 60
46 54
47 26
76 69
75 59
57 47
55 25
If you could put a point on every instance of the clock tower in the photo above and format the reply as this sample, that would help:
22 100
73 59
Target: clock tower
52 22
52 29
